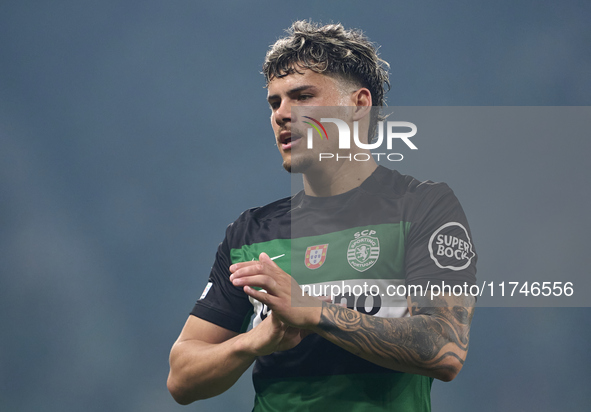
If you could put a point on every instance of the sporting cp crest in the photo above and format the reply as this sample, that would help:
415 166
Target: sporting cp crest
363 252
315 256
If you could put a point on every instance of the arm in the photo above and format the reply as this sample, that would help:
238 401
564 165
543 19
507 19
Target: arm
206 360
432 342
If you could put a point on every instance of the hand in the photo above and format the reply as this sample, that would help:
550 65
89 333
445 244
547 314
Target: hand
283 295
272 335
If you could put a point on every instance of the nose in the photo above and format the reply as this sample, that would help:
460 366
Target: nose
283 113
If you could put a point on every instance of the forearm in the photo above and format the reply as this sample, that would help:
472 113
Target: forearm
200 370
433 342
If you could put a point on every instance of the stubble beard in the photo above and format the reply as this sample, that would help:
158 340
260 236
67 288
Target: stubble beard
298 165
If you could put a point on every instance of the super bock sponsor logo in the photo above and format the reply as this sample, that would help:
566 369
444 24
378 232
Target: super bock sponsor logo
450 247
364 250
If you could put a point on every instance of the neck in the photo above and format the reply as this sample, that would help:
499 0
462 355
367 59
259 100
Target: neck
337 178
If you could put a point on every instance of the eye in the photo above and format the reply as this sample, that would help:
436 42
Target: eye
304 96
274 105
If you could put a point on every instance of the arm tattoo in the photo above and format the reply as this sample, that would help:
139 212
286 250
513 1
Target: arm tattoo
426 340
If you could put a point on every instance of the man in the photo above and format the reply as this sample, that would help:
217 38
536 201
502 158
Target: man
354 222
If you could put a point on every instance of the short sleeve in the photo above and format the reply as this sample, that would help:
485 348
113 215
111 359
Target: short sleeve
222 303
439 247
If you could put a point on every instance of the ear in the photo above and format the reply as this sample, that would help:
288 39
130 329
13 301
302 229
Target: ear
362 97
362 101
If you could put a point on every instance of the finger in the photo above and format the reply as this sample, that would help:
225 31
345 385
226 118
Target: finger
266 260
250 270
264 266
262 256
239 265
259 295
261 281
272 269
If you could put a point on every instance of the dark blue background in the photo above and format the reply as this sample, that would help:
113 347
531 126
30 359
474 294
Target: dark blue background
132 133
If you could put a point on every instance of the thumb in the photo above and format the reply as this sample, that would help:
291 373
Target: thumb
265 259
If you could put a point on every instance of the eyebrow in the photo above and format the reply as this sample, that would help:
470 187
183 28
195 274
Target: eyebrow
292 91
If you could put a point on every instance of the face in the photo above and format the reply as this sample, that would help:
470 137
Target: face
306 88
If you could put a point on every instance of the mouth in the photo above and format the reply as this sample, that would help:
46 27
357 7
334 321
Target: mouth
287 139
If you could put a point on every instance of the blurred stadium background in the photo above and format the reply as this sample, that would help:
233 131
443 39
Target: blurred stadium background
132 133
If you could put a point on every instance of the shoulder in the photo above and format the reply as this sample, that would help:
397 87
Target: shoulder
406 186
261 223
273 210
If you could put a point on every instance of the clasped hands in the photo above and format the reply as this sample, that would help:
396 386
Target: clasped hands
294 315
281 294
